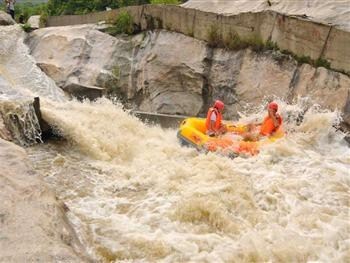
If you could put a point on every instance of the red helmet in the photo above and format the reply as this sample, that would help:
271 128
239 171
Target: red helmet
273 106
219 105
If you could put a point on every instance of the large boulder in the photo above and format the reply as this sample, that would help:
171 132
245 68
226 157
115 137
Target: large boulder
245 77
34 22
170 74
328 11
81 54
6 19
327 88
4 132
84 91
33 224
150 71
167 72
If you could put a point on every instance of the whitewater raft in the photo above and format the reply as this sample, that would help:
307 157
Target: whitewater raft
192 132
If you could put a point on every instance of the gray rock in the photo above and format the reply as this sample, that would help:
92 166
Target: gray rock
171 73
81 91
34 22
82 54
33 223
6 19
170 77
327 88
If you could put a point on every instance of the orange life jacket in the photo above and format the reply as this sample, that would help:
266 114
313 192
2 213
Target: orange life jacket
218 124
267 127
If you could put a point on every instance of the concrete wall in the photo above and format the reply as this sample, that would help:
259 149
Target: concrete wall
297 35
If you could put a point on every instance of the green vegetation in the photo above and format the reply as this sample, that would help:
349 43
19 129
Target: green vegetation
321 62
166 2
26 27
124 24
43 19
232 41
24 10
214 37
116 71
78 7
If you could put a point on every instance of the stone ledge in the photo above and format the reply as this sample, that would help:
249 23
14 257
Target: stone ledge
293 33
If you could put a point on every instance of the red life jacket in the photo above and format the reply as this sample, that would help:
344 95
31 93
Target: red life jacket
267 127
218 124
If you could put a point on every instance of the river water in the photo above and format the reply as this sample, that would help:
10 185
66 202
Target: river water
135 195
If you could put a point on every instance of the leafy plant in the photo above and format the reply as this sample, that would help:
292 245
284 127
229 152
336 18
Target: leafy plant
123 24
27 28
166 2
321 62
214 37
43 19
233 41
77 7
270 45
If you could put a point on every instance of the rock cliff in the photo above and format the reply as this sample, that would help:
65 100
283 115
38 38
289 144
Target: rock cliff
6 19
33 223
171 73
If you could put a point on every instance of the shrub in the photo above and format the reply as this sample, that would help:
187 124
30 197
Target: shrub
303 59
116 71
321 62
256 43
43 19
233 41
27 28
214 37
270 45
166 2
124 24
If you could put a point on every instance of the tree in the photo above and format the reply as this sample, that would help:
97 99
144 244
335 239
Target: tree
70 7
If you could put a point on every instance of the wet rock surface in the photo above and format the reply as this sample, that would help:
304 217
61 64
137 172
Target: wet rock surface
33 223
6 19
167 72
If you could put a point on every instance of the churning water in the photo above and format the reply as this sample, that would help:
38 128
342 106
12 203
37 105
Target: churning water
135 194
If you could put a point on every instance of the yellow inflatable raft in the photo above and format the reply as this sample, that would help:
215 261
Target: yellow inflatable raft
193 132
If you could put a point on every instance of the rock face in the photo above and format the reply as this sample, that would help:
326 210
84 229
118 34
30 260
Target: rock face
4 132
6 19
79 54
329 11
172 73
244 77
147 70
28 207
330 89
34 22
169 77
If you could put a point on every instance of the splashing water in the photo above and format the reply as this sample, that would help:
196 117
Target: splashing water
21 120
20 71
21 80
135 194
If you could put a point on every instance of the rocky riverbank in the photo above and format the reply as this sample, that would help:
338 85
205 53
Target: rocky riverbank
34 225
168 72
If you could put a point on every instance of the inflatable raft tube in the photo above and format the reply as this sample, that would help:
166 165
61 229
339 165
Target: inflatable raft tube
192 132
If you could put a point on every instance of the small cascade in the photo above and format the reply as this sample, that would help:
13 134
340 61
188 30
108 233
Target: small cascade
21 121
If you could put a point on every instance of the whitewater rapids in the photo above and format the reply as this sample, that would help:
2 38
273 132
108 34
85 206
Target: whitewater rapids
135 194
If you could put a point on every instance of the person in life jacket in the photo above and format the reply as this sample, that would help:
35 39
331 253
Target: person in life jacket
271 123
214 124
